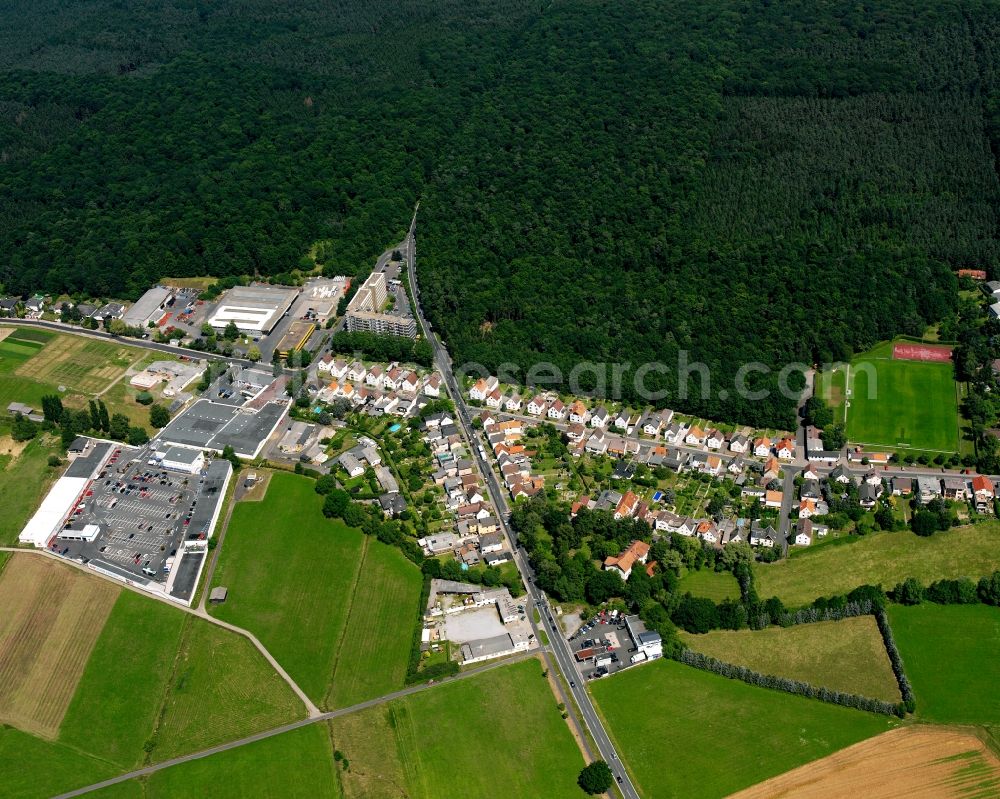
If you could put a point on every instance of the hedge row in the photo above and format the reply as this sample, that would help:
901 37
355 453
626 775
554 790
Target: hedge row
905 690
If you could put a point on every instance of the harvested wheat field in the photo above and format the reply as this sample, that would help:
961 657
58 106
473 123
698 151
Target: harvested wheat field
51 618
913 762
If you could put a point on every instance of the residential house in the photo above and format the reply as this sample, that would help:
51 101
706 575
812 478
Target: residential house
599 418
490 542
536 407
578 413
483 387
557 410
929 488
763 535
357 372
762 447
739 444
652 424
714 439
638 551
841 475
772 499
695 437
902 486
956 488
984 492
807 508
391 379
512 402
785 449
868 496
804 533
432 388
627 507
494 399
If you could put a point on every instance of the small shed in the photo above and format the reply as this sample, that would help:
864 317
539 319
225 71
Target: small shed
218 595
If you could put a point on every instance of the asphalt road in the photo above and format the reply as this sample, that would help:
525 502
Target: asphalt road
591 723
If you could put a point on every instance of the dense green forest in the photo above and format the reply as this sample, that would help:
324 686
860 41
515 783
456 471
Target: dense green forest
736 179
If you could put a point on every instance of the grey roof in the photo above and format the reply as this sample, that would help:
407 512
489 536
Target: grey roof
148 304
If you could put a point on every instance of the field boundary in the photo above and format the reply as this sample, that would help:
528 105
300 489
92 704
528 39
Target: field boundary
347 618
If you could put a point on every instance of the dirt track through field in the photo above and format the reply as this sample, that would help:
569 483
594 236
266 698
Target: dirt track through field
51 619
917 762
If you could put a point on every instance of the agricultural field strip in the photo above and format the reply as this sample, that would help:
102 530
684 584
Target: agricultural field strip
322 717
313 710
52 621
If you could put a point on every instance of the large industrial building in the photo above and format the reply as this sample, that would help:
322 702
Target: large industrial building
365 311
151 307
255 310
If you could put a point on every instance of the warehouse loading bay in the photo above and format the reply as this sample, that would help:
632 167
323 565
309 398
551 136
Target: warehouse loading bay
145 514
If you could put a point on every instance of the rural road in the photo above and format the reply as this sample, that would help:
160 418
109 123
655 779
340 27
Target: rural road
295 725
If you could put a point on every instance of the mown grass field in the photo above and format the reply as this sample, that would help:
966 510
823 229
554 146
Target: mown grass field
290 574
886 558
52 616
297 764
503 724
896 403
689 734
221 689
335 610
952 656
376 641
24 482
711 584
36 769
846 655
136 649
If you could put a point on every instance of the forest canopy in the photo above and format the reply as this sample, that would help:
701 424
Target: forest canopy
736 181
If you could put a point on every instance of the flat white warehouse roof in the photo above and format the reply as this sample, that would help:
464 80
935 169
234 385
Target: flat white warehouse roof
47 519
253 307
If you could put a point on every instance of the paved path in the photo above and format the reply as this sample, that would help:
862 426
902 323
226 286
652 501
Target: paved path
199 612
295 725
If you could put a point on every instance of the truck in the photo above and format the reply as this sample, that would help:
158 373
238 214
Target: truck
638 657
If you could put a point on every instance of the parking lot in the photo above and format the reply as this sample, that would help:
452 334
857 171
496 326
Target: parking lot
606 644
144 513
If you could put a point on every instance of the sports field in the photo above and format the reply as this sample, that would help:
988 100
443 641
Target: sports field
709 583
336 610
886 558
498 734
896 403
687 733
951 655
846 655
51 618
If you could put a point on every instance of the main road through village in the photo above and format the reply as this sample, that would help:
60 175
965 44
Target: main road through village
588 723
